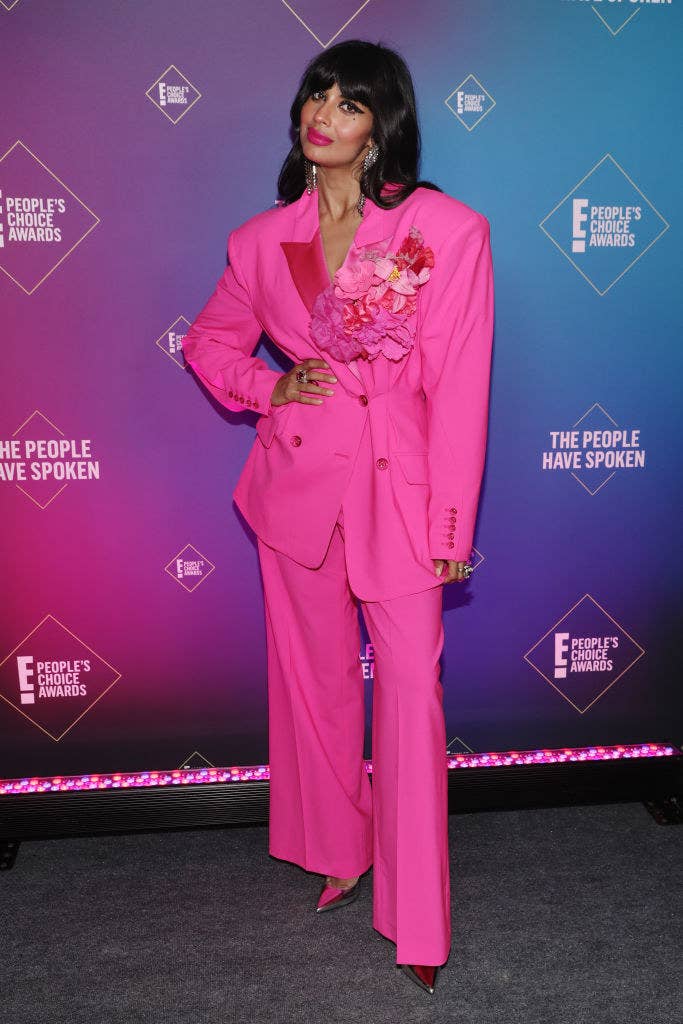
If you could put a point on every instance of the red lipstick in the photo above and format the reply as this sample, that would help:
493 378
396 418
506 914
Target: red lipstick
316 138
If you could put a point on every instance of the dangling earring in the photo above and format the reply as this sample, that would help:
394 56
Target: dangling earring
311 172
370 158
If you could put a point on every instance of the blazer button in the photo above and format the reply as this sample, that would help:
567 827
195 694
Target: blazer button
450 536
231 393
254 404
454 510
451 544
295 440
249 401
363 399
382 463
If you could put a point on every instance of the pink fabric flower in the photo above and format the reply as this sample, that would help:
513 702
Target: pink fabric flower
369 308
354 277
327 328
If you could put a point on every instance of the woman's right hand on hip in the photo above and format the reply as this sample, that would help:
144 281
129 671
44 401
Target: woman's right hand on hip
289 389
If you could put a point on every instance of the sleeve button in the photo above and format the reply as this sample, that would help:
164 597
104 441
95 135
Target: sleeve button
295 440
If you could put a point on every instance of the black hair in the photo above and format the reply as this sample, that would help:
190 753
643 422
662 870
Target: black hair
378 78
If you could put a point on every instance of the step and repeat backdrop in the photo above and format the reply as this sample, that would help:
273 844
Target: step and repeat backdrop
133 138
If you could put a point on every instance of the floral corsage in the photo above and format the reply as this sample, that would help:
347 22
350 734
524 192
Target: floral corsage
369 308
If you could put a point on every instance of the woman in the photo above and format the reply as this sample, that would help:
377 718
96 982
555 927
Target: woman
363 480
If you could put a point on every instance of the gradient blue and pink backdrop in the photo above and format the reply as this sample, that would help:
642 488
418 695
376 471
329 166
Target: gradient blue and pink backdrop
133 138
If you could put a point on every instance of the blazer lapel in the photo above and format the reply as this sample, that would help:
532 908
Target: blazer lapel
307 267
300 250
308 275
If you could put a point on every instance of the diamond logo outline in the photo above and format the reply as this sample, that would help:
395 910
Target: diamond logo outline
11 6
185 763
569 193
190 590
609 27
159 341
37 412
332 38
465 746
185 79
595 405
20 142
104 661
471 127
554 627
481 558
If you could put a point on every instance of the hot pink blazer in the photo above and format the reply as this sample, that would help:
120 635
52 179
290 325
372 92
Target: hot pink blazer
402 444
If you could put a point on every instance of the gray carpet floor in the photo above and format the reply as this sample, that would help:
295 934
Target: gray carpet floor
560 916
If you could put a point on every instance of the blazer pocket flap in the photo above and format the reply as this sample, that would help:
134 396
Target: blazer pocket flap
415 466
265 428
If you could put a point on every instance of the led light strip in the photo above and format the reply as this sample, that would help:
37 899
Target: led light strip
261 773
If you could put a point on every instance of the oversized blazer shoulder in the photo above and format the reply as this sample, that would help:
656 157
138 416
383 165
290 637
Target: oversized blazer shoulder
400 443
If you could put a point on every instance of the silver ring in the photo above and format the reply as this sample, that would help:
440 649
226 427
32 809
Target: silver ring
467 571
302 376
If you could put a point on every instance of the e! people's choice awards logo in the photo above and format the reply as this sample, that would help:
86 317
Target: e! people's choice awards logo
53 678
584 653
594 449
189 568
41 219
171 341
470 102
604 225
173 94
41 461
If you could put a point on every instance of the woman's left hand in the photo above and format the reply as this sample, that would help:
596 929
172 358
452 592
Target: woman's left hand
453 570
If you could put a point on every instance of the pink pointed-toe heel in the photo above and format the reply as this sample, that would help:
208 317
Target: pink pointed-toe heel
332 897
422 975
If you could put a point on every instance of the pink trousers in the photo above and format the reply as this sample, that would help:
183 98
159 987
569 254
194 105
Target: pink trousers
324 814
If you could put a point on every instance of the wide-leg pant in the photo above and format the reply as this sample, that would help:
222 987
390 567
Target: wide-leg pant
324 814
